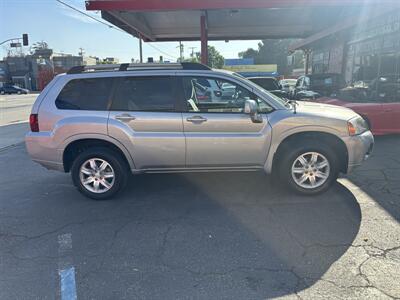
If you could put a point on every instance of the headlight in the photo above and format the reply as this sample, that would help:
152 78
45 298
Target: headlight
357 125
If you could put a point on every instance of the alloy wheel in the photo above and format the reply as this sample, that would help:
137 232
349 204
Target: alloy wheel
97 175
310 170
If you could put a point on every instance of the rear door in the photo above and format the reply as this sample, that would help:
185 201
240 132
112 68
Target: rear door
144 118
218 133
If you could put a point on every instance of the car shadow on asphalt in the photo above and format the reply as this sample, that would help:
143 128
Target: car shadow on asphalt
171 236
237 236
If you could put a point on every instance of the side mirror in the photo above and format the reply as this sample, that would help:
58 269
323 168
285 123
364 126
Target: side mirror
251 108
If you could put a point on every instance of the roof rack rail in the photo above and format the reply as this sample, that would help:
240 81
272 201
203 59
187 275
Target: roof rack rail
133 67
194 66
76 70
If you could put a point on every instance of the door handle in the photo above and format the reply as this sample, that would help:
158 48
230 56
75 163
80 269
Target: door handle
125 117
196 119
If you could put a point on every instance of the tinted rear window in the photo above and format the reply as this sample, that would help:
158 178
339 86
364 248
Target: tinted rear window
85 94
266 83
144 94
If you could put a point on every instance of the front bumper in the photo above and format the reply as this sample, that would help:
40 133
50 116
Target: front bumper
359 148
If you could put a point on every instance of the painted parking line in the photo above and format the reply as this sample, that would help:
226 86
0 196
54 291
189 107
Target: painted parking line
68 286
66 269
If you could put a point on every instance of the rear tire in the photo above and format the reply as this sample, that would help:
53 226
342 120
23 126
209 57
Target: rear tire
99 173
309 168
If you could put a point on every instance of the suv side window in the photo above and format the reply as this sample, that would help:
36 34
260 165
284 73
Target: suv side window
85 94
145 94
215 95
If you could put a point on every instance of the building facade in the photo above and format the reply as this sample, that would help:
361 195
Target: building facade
373 50
36 70
362 52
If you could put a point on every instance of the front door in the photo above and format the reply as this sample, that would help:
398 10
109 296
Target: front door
218 132
143 117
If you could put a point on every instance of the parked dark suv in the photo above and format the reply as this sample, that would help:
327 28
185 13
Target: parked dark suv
318 85
270 84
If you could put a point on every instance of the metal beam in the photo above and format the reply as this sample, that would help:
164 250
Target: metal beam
159 5
204 39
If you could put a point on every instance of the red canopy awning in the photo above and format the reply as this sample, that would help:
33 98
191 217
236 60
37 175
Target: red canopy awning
178 20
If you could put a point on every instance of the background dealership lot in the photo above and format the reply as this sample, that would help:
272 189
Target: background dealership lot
201 236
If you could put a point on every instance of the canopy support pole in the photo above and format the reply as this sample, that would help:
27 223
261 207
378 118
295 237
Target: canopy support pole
140 50
204 39
307 53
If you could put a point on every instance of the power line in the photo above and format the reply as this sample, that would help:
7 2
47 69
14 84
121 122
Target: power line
161 51
89 16
111 26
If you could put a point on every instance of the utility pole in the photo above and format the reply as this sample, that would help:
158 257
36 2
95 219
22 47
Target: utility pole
307 53
140 50
192 54
180 50
81 51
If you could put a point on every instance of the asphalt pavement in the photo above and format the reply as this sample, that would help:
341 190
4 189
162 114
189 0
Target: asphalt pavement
200 236
195 236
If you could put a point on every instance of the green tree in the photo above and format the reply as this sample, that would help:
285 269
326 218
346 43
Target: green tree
215 59
270 52
249 53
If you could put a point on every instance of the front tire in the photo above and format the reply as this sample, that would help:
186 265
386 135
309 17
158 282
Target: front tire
309 168
99 173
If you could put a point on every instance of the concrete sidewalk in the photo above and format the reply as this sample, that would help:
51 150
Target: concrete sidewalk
12 134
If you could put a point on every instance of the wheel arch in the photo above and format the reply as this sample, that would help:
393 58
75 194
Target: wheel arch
323 137
76 145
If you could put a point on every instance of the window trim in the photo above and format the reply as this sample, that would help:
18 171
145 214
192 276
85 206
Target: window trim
182 101
118 81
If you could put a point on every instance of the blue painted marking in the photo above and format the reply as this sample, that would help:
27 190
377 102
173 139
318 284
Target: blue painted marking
68 287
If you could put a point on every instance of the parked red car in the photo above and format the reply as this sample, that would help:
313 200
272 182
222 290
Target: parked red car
383 118
378 102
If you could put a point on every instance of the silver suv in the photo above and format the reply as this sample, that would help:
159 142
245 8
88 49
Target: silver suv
102 123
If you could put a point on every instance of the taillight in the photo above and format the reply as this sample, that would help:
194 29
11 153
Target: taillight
34 122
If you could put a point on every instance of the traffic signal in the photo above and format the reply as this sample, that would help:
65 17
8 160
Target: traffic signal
25 41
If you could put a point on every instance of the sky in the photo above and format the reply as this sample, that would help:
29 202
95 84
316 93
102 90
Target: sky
66 30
